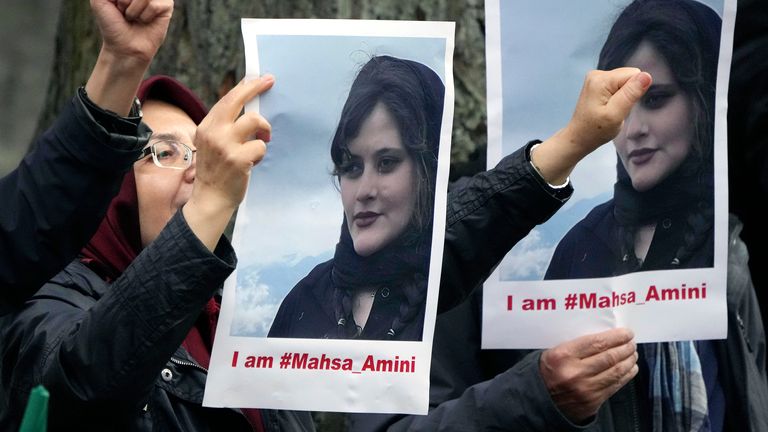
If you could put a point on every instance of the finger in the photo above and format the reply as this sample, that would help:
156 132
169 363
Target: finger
609 358
253 151
629 93
589 345
155 9
122 5
135 10
252 125
229 107
611 380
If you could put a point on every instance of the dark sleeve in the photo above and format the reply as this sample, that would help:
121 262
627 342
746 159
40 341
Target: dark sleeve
743 301
472 389
487 216
515 400
102 361
54 201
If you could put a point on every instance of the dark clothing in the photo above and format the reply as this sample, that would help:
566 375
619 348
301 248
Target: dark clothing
474 389
103 350
308 311
54 201
592 248
487 215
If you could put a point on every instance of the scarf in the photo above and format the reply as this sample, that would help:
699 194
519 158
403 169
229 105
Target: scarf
677 391
405 260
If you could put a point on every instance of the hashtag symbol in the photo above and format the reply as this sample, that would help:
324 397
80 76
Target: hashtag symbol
285 360
570 301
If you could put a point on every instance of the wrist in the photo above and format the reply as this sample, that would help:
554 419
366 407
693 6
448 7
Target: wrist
208 217
114 81
555 158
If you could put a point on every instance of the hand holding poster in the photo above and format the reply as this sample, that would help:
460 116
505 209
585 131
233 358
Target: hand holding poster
340 237
642 242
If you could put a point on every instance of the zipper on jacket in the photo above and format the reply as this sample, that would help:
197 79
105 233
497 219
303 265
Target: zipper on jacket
180 362
176 361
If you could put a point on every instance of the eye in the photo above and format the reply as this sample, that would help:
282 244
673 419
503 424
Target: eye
350 170
166 151
656 100
388 164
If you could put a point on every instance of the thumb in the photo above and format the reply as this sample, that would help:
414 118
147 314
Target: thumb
628 94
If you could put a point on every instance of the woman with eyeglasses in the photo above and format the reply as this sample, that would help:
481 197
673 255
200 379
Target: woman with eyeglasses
122 337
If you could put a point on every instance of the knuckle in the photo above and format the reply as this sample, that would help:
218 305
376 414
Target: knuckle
599 344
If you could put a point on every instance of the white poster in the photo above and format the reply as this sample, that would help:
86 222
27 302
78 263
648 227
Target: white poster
642 243
340 237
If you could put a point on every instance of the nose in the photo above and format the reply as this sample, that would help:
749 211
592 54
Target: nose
635 125
367 187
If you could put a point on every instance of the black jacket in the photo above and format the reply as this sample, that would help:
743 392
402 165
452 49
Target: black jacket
109 353
51 205
502 390
487 215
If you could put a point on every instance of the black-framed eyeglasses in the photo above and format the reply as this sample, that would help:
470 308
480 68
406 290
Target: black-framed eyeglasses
169 154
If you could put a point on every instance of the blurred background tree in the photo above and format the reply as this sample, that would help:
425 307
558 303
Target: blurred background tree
204 50
27 31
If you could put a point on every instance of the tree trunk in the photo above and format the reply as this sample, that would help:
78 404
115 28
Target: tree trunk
204 50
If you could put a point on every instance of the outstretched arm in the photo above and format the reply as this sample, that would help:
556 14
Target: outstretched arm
495 209
132 32
54 201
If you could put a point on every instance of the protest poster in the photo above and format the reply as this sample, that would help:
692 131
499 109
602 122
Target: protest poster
593 265
340 238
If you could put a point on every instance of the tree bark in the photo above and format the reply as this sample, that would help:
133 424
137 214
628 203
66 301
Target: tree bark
204 50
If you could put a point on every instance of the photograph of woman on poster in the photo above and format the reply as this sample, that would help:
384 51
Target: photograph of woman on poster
385 152
662 211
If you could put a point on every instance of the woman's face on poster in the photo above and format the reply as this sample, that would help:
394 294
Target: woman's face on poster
377 184
162 192
656 136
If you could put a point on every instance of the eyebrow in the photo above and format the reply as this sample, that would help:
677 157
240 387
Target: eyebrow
166 137
381 152
389 150
664 87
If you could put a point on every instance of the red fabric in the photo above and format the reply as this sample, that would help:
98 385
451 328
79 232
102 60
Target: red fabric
117 242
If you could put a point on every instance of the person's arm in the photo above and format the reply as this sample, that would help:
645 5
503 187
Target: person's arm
560 388
54 201
504 390
100 356
495 209
106 358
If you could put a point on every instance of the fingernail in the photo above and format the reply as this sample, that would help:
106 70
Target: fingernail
268 78
644 78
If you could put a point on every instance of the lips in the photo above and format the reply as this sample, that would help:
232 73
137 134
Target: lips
364 219
641 156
